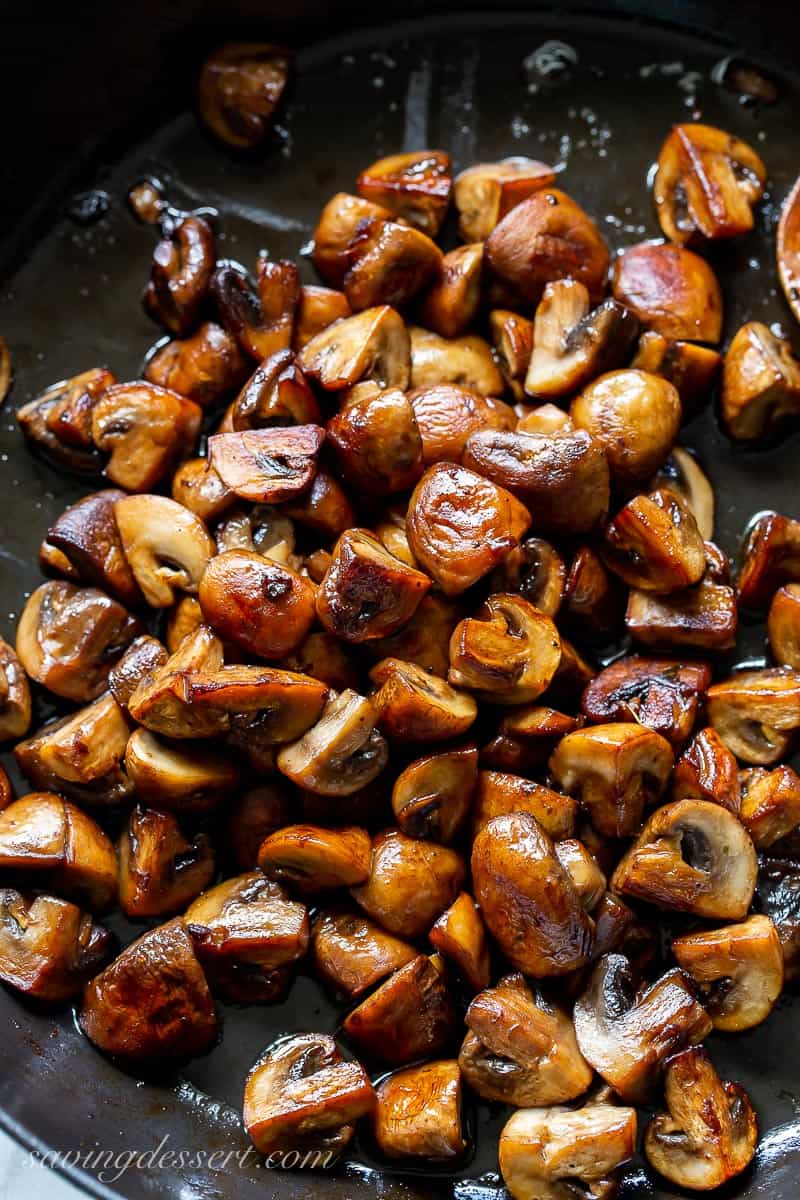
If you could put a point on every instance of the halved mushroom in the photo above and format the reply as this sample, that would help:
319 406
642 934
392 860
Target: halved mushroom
318 308
508 653
682 474
671 290
47 837
770 807
627 1032
709 1134
49 948
550 1153
152 1003
253 814
451 303
267 465
418 1114
432 795
691 856
547 237
528 900
634 417
312 859
87 534
159 701
738 969
755 713
512 338
167 547
301 1096
582 867
706 184
783 626
160 870
414 186
653 544
339 754
464 361
257 604
536 570
15 695
661 694
377 444
59 421
389 262
260 319
239 90
703 617
69 637
145 429
788 249
373 345
457 543
616 770
409 1016
81 755
499 793
447 414
690 368
179 780
571 343
707 770
521 1048
415 706
770 557
460 937
760 382
198 487
180 274
411 883
205 367
341 221
278 393
485 192
351 953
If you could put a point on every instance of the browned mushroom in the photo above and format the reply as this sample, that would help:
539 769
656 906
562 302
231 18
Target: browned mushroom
252 815
198 487
418 1114
167 547
377 444
158 700
205 367
267 465
512 338
690 368
411 883
15 695
409 1016
324 658
447 414
153 1001
424 639
682 474
389 262
508 653
706 184
778 896
583 869
548 419
318 308
432 795
260 319
324 508
87 534
180 274
145 429
49 949
339 754
499 793
738 969
704 617
342 219
616 769
627 1034
258 707
755 713
783 626
536 570
351 953
691 856
770 805
460 937
634 417
179 780
257 604
5 369
6 790
464 361
301 1097
671 290
526 737
770 557
653 544
59 421
160 870
414 186
68 638
660 693
709 1134
415 706
788 249
262 528
547 237
707 770
485 192
760 382
278 393
311 858
239 90
451 303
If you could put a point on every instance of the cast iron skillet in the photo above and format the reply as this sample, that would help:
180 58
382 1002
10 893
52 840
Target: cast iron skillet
69 300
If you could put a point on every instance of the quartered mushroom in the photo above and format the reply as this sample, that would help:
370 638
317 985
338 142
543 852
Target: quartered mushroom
253 602
277 393
59 421
770 804
452 301
351 953
512 339
707 770
499 793
691 856
160 870
788 249
267 465
414 186
770 557
205 367
86 533
760 382
508 653
341 752
167 547
15 695
367 593
654 545
537 571
180 273
432 795
415 706
460 937
239 90
682 474
260 318
485 192
465 361
446 414
738 970
783 626
172 777
371 345
671 290
389 262
377 443
692 369
409 1016
662 694
703 617
49 948
311 858
418 1113
634 417
709 1134
198 487
756 712
411 882
145 430
159 699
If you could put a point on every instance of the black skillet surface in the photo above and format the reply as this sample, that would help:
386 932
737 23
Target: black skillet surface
474 86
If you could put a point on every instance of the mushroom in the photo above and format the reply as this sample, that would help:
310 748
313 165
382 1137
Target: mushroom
351 953
536 570
414 186
5 370
261 320
339 754
81 755
159 701
460 937
706 184
690 368
49 948
512 339
707 770
592 596
703 617
547 237
627 1034
508 653
415 706
528 900
160 870
755 713
447 414
389 262
485 192
205 367
257 604
571 343
778 896
180 274
521 1048
252 815
239 90
458 543
278 393
654 545
526 737
51 839
709 1134
324 508
267 465
152 1003
691 856
391 533
145 429
770 805
464 361
377 444
499 793
86 534
788 249
671 290
409 1016
418 1113
313 859
198 487
661 694
69 637
543 418
634 417
616 770
760 382
548 1153
432 795
452 301
301 1096
59 421
738 969
581 866
770 557
682 474
425 638
783 626
262 529
324 658
318 308
258 707
183 619
341 221
563 477
6 790
411 882
167 547
169 777
15 695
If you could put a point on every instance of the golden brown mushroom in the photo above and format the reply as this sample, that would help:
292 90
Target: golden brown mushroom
15 695
145 429
512 338
460 937
770 806
760 382
409 1016
177 779
447 414
312 859
205 367
414 186
499 793
634 417
415 706
411 883
366 592
159 700
788 249
432 795
582 867
239 90
167 547
463 361
671 290
59 421
377 444
653 544
252 815
318 308
682 474
160 870
49 948
707 770
783 626
342 219
424 639
738 969
690 368
770 557
756 712
351 953
277 393
451 303
704 617
485 192
198 487
267 465
371 345
339 754
661 694
418 1114
389 262
253 602
508 653
537 571
87 534
261 319
180 273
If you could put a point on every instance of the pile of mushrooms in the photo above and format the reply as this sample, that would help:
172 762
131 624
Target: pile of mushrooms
330 687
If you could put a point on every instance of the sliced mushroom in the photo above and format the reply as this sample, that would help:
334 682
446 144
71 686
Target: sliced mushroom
690 368
485 192
464 361
691 856
627 1034
377 444
536 570
389 262
69 637
451 303
371 345
239 90
312 859
341 221
770 557
701 618
508 653
267 465
87 534
160 870
351 953
738 969
671 290
788 249
634 417
432 795
415 706
414 186
256 604
49 949
318 308
653 544
682 474
409 1016
707 770
755 713
179 780
15 695
198 487
339 754
145 429
411 883
709 1134
205 367
760 382
418 1114
59 421
460 937
661 694
783 626
278 393
770 807
167 547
